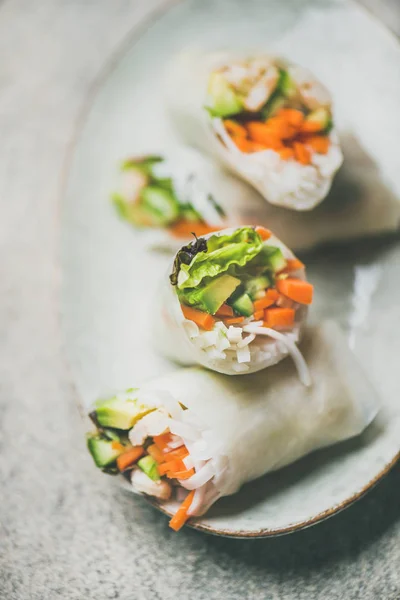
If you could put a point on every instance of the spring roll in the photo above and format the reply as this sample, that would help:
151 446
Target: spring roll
236 302
194 436
202 197
168 194
269 121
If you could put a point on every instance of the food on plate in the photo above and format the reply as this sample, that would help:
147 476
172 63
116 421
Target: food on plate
236 302
268 120
193 436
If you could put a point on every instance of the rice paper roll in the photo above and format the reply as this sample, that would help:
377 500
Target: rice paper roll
266 119
190 193
208 434
235 302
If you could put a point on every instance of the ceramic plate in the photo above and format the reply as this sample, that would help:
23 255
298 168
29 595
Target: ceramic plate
109 279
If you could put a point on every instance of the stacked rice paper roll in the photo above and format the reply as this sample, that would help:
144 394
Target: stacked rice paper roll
235 302
191 437
266 119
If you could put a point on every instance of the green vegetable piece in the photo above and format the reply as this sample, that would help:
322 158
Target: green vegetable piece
274 104
258 284
275 259
149 466
120 414
224 101
144 165
102 450
322 116
213 295
160 203
243 305
287 85
223 253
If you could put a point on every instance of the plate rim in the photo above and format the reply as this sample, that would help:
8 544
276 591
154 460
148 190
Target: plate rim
130 38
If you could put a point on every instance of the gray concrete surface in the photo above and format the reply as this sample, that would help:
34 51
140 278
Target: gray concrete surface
65 532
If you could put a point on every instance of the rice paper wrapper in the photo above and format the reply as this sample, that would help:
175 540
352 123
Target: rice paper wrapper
258 424
283 183
181 341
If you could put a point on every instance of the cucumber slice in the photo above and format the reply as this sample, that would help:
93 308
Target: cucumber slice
276 259
161 203
102 451
149 466
258 284
286 85
243 305
322 116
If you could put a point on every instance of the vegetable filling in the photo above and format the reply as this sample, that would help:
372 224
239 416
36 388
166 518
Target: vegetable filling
158 449
150 197
265 104
237 289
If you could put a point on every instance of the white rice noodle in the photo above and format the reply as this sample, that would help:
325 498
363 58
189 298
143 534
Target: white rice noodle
292 349
154 423
184 430
200 478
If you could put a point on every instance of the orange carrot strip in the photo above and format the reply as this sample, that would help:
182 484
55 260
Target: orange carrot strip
291 115
234 321
184 474
202 319
181 452
281 128
184 228
258 315
296 289
171 466
319 143
242 143
310 127
181 515
286 153
129 457
292 264
224 311
156 453
162 441
264 233
270 298
279 317
301 153
234 129
261 133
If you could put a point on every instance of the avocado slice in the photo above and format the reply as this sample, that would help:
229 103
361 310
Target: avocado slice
120 414
149 466
214 294
258 284
224 101
276 259
102 450
160 203
243 305
322 116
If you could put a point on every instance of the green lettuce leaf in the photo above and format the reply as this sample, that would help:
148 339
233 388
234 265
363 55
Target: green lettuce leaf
225 253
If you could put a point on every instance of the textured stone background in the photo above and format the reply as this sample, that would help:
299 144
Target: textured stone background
64 531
